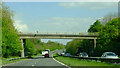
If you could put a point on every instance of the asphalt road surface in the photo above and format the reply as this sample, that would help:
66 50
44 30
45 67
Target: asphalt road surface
37 62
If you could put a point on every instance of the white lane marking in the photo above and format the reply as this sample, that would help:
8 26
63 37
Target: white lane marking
33 65
61 63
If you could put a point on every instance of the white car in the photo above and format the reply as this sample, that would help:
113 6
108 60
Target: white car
109 55
44 52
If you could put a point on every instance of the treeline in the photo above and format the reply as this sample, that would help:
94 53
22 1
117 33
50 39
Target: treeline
11 44
36 46
108 40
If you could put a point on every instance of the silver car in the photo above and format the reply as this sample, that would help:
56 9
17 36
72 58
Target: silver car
83 54
109 55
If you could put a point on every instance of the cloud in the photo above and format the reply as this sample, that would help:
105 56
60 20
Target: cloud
60 0
20 27
64 24
89 5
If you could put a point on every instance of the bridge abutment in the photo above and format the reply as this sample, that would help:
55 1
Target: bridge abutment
22 44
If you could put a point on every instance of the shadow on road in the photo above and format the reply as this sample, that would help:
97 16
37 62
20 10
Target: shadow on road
41 57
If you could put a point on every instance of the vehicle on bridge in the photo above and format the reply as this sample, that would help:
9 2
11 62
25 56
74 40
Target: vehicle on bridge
109 55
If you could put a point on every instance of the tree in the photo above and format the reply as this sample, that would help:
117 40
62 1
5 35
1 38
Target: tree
110 36
0 28
96 27
109 17
11 45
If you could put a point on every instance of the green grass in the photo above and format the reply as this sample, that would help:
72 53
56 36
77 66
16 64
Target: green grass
77 62
6 61
0 61
37 55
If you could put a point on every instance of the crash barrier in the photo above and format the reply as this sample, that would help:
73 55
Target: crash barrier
108 60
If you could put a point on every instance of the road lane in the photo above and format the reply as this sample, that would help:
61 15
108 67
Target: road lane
37 62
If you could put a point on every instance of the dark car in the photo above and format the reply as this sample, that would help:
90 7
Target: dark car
46 55
68 54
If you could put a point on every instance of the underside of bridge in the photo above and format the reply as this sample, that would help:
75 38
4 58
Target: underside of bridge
23 37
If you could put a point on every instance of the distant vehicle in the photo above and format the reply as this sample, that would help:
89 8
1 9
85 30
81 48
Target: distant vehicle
48 50
62 54
83 54
67 54
77 54
109 55
46 53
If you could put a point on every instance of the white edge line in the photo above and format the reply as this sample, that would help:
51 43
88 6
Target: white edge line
61 63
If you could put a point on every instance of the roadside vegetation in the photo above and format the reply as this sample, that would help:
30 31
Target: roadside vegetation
108 40
11 44
75 62
41 46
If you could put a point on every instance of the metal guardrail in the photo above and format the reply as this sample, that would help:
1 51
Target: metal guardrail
108 60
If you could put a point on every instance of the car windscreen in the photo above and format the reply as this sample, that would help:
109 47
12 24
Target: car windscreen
111 54
85 54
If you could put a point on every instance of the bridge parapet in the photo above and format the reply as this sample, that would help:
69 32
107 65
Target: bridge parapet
61 33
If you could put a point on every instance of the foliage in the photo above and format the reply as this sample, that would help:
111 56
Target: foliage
110 36
11 45
0 30
29 48
96 27
40 46
108 40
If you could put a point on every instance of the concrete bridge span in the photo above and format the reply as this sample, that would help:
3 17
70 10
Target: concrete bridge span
23 37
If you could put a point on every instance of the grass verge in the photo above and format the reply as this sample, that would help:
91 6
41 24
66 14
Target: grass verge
77 62
6 61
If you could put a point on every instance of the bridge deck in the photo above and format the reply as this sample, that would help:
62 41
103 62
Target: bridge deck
58 36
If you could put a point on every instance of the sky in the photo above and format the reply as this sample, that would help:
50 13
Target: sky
70 17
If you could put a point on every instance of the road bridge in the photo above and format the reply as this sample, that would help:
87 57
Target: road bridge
23 37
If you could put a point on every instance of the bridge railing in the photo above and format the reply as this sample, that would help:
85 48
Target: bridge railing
64 33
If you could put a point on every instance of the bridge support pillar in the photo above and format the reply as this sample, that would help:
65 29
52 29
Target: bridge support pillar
94 43
22 51
92 46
